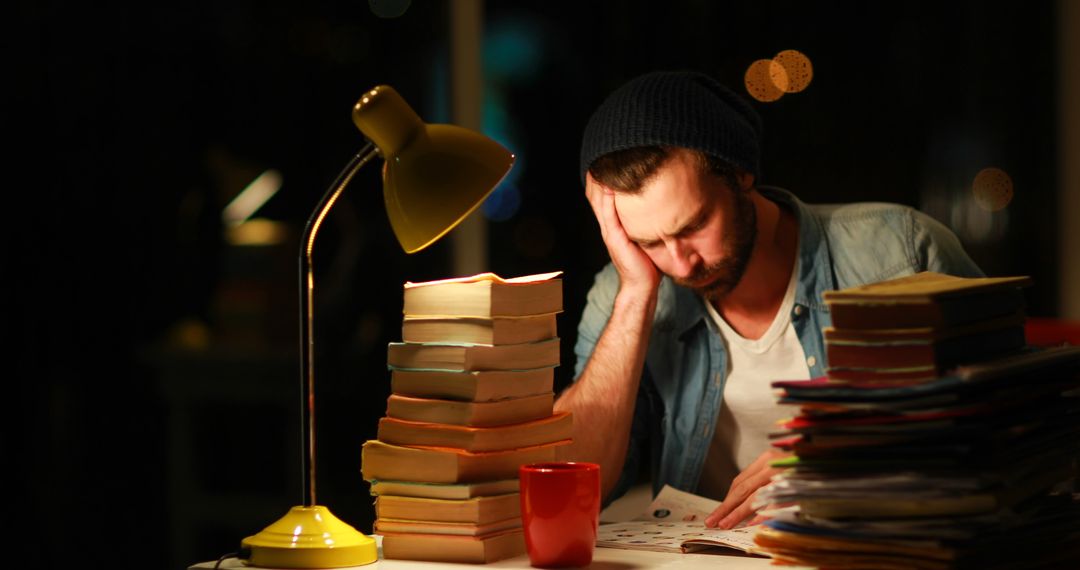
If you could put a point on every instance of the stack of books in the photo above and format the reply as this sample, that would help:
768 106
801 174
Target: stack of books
916 328
912 455
471 401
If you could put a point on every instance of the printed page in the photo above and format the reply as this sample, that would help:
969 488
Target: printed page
674 522
672 504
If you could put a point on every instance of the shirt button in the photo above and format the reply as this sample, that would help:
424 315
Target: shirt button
798 310
811 361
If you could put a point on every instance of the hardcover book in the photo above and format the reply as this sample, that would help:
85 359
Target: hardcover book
479 414
485 295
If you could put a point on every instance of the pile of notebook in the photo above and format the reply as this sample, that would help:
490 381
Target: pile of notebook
471 400
938 438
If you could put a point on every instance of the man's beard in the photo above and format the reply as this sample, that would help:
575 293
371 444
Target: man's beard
716 280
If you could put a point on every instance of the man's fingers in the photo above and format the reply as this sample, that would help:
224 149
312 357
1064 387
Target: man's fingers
720 512
741 513
598 197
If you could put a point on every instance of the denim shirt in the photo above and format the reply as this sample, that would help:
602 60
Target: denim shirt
682 385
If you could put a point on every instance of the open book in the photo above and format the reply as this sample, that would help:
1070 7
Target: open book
675 522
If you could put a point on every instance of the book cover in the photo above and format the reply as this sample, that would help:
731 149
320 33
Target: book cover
900 351
444 490
447 548
925 287
470 357
485 295
477 510
479 330
925 299
547 429
385 525
472 386
477 414
384 461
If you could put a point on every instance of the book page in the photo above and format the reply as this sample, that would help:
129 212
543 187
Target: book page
672 504
488 277
674 522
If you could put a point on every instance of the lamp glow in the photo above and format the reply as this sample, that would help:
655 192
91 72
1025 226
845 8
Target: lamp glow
434 176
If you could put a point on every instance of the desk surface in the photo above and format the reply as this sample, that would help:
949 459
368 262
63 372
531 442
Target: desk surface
603 559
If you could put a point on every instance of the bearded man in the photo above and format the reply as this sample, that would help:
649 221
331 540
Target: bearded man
714 290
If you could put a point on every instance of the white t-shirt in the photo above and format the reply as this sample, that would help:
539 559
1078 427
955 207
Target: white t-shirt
749 412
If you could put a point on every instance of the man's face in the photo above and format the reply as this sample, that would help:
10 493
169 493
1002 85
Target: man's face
693 225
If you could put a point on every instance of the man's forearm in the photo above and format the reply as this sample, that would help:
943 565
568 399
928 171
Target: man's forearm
602 399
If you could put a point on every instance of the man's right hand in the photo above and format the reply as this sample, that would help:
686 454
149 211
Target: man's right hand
636 271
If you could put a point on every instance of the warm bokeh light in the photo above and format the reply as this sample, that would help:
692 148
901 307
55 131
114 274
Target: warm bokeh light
253 197
992 188
759 83
257 232
791 71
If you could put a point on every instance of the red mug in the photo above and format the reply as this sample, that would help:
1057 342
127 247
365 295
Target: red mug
560 511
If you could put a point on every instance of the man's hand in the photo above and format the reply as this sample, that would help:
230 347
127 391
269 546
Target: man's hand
635 268
738 505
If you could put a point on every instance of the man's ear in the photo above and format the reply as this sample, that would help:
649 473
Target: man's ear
746 180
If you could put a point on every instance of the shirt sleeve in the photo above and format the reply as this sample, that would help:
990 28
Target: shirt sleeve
937 248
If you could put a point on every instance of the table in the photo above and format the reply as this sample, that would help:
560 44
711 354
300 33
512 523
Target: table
603 559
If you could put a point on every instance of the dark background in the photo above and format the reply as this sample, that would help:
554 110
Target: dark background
155 421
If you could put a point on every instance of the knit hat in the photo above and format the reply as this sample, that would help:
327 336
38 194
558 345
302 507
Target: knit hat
675 108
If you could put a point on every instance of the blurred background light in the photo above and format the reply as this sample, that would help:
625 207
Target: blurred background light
252 197
791 71
992 189
389 8
759 82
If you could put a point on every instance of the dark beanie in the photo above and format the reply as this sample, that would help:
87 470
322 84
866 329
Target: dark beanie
675 108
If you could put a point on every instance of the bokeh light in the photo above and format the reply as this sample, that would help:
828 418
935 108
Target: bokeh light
992 189
759 83
791 71
389 8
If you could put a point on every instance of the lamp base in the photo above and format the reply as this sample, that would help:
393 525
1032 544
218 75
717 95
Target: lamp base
310 537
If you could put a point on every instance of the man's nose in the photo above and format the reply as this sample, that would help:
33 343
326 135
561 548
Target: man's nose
683 259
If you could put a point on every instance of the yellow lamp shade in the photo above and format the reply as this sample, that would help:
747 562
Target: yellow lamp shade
434 175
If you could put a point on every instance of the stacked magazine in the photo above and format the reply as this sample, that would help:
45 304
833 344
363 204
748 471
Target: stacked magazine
947 464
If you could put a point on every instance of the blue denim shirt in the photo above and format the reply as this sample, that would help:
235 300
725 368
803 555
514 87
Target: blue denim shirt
682 385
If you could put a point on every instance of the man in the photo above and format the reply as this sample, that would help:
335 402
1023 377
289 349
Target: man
714 290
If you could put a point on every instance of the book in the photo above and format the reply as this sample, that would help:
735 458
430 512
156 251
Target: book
674 522
925 299
384 525
477 510
447 548
1035 365
910 351
485 295
479 330
445 490
472 386
469 357
478 414
547 429
380 460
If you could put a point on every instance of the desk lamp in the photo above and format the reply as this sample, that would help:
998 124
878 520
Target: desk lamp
433 177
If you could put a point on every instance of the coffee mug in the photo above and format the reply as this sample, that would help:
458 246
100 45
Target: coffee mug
560 511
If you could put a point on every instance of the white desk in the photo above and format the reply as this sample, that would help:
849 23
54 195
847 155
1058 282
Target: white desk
603 559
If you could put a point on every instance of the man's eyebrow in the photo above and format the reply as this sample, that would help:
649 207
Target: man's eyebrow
693 222
698 218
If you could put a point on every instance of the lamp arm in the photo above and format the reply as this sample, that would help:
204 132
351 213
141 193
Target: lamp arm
307 312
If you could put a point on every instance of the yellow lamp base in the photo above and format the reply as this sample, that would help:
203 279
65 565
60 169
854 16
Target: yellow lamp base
310 537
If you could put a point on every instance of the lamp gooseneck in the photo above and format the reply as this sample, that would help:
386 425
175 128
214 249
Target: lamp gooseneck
307 317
